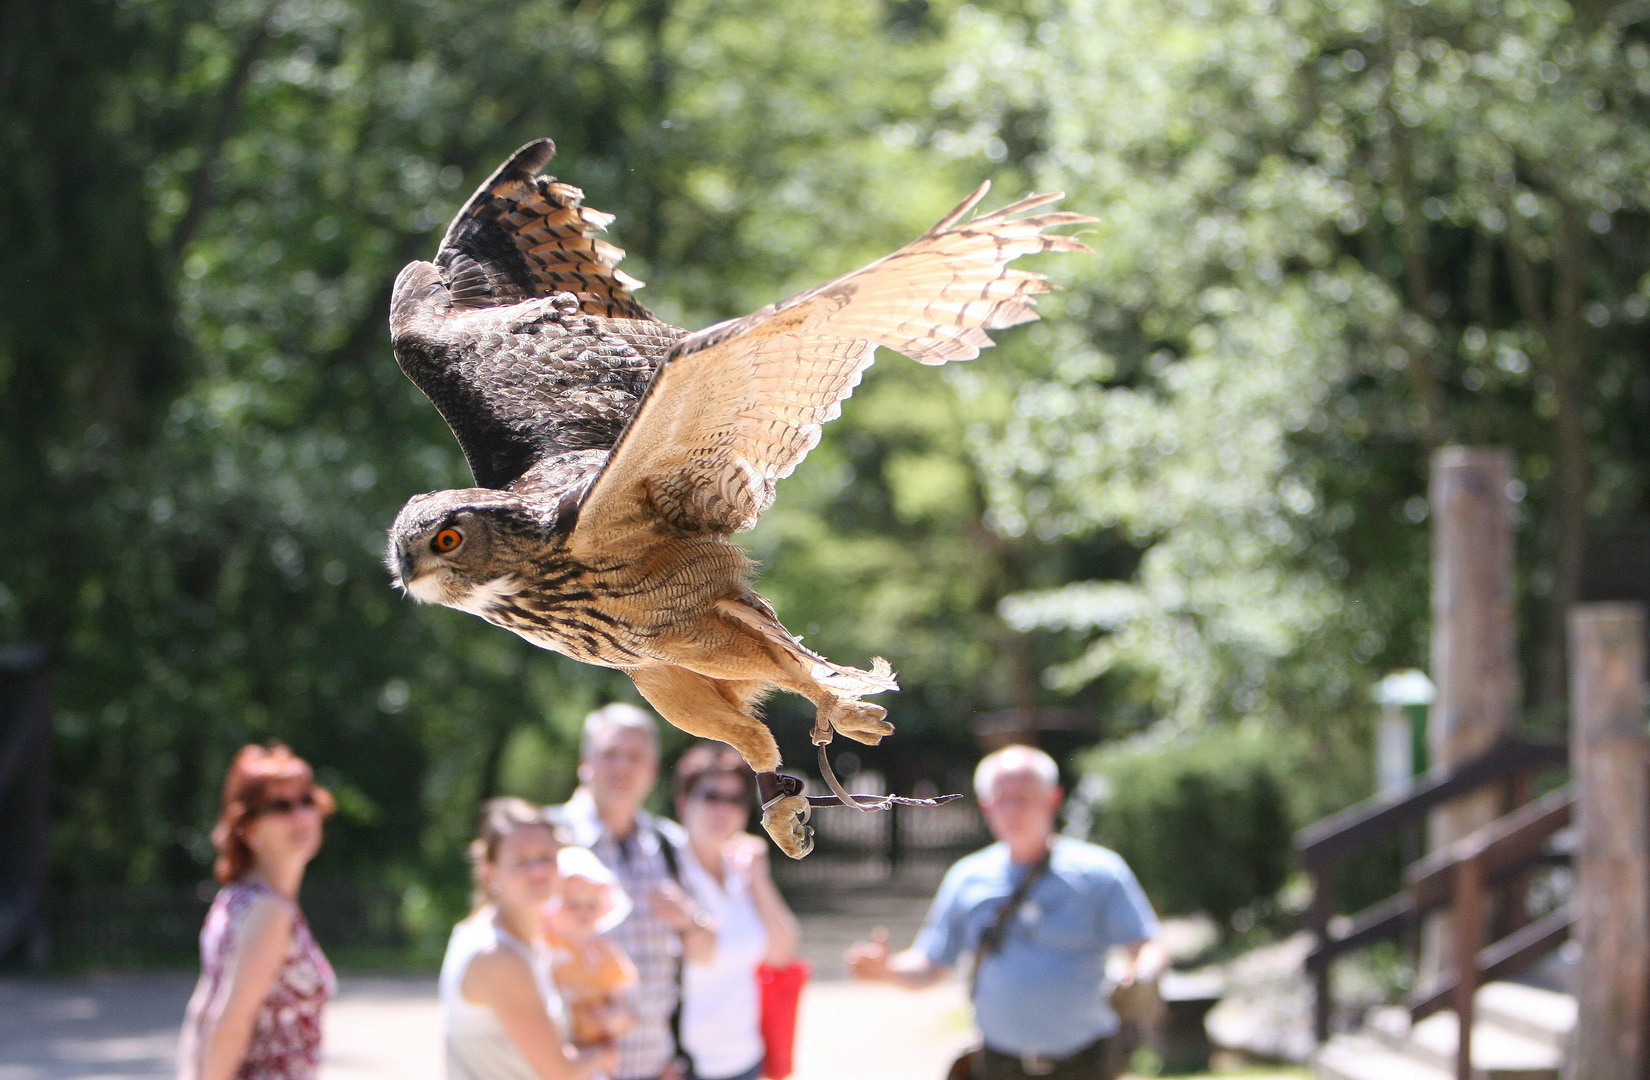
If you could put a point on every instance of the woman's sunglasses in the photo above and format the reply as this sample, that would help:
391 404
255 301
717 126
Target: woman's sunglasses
306 801
715 797
533 862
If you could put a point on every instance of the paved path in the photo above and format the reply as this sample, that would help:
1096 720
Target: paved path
122 1026
387 1029
854 1031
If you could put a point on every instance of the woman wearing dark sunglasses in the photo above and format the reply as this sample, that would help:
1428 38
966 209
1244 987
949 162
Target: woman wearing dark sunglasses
727 873
256 1012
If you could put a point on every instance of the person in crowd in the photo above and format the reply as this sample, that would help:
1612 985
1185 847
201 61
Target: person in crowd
1039 985
592 975
727 873
256 1012
502 1016
618 766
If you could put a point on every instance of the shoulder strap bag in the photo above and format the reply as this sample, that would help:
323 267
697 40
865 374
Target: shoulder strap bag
967 1065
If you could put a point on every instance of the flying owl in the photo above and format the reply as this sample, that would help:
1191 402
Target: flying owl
615 455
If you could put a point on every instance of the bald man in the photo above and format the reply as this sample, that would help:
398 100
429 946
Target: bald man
1040 998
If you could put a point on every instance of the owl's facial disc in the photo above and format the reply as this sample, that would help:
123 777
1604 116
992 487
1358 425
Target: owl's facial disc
430 563
437 553
455 548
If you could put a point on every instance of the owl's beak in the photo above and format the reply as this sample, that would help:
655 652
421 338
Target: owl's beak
422 577
405 570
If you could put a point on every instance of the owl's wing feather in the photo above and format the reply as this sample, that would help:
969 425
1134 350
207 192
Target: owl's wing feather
737 406
523 332
523 235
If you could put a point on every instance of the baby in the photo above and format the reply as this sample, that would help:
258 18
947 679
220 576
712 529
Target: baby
592 974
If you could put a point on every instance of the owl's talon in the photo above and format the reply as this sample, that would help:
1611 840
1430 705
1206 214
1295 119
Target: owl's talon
783 819
859 720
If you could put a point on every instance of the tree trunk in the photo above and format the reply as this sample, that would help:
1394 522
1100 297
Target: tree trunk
202 190
1418 328
1563 360
1571 468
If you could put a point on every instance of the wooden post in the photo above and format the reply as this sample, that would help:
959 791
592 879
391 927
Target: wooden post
1473 641
1318 916
1610 766
1514 914
1467 918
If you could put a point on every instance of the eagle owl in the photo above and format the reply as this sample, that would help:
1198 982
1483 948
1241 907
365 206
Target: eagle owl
615 455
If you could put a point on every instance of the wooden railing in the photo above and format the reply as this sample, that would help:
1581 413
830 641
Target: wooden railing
1464 875
1325 845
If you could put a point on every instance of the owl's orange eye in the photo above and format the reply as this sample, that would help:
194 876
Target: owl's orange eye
447 541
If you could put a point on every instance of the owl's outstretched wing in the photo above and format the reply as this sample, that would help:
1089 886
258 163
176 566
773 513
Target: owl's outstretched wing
522 236
735 407
523 332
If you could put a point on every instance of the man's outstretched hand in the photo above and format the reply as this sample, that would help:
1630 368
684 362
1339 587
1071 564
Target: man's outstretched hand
869 959
911 969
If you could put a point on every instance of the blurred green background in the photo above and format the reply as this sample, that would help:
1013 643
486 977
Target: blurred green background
1334 236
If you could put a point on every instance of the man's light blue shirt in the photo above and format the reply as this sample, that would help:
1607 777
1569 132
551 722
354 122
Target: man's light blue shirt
1044 991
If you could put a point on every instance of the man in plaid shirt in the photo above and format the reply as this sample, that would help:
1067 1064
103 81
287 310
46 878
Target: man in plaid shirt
618 766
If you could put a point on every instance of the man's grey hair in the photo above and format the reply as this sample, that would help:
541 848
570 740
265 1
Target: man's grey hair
1014 759
617 715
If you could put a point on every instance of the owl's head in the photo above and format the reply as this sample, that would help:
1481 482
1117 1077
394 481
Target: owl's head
461 548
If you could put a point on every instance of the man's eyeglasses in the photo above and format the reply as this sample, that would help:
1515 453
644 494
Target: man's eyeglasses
306 801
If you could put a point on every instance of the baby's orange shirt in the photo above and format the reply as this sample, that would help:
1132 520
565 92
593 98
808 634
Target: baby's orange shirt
590 976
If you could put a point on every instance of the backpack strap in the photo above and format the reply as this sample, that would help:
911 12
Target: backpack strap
673 867
672 857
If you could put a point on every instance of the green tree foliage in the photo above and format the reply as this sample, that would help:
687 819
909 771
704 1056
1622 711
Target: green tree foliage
1335 236
206 434
1203 818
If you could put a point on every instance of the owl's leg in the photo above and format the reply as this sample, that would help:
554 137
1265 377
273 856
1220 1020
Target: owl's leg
785 810
711 709
861 721
832 688
721 709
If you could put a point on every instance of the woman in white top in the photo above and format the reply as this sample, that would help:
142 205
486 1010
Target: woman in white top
727 873
501 1014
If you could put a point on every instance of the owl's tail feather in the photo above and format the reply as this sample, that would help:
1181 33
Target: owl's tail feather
755 611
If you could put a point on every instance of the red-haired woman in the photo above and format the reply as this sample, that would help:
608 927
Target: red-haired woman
256 1012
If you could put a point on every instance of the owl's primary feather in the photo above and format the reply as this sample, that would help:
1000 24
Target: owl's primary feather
522 332
615 454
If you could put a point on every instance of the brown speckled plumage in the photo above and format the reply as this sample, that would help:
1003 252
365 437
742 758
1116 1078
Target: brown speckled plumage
614 455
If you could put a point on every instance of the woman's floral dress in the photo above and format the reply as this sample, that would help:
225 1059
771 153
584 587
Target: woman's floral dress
286 1034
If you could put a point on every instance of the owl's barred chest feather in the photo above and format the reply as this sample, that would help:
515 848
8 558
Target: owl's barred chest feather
618 614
